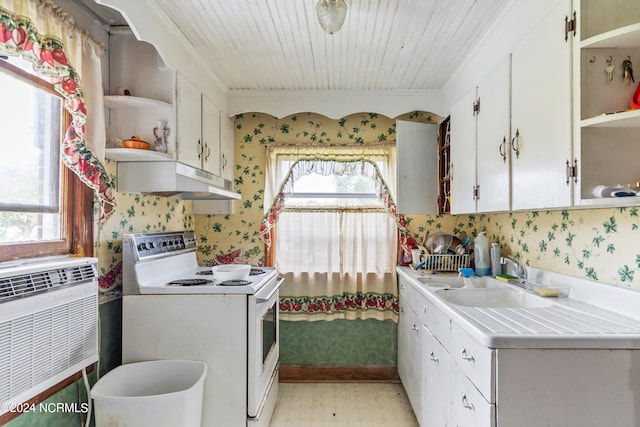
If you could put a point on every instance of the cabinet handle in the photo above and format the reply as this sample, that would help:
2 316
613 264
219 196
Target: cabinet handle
515 143
466 404
206 145
414 327
433 357
466 356
401 309
224 161
199 150
451 171
503 149
424 308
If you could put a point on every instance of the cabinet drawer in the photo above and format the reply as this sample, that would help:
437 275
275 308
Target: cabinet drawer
438 323
476 360
468 407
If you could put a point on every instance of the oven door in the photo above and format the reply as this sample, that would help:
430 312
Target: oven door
264 343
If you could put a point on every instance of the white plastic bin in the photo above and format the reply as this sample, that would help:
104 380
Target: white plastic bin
153 393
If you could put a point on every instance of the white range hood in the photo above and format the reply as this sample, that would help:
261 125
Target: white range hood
173 179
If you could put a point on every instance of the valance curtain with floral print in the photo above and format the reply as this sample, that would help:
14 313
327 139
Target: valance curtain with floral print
337 264
43 34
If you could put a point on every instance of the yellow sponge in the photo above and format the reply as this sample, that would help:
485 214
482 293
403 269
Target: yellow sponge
505 277
546 292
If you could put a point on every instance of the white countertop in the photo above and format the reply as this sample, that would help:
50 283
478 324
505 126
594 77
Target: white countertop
590 319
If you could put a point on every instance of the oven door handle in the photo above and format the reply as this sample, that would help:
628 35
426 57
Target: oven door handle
275 289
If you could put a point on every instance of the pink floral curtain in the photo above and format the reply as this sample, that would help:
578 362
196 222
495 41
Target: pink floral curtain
20 37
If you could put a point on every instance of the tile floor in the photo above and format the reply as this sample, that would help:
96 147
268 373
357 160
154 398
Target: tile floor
342 404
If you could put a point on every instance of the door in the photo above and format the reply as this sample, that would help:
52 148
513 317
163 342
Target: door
436 381
541 115
210 137
417 168
227 147
493 153
463 155
188 123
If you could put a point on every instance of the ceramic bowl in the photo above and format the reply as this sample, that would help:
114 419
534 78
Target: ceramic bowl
231 271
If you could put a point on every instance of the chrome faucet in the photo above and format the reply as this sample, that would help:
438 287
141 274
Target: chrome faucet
517 266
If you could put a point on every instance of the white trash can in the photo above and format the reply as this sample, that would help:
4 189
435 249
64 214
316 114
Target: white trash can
153 393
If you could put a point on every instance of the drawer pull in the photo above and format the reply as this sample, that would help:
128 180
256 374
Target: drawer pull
414 327
433 357
466 356
466 404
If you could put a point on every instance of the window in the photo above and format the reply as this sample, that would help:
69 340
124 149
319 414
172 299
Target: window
44 209
335 242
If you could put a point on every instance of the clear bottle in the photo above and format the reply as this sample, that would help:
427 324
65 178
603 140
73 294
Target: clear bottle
496 267
481 255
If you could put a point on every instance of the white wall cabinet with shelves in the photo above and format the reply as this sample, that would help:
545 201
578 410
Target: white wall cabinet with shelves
607 130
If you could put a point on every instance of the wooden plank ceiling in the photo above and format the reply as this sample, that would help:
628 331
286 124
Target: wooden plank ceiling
384 45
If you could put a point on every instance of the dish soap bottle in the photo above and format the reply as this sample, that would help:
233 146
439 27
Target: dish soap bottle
481 255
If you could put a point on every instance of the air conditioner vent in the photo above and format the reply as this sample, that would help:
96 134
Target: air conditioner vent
27 284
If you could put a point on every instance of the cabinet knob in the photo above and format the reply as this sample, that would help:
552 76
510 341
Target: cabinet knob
465 355
414 327
433 357
466 404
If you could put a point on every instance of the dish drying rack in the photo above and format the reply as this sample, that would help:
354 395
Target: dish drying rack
444 262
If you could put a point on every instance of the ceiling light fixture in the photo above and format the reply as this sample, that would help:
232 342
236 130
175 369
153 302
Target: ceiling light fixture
331 14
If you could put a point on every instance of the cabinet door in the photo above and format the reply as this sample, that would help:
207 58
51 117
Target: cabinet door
227 147
210 137
541 114
493 139
409 362
436 382
188 123
463 155
417 168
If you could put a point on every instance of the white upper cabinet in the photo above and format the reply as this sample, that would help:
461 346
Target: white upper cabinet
199 130
493 141
189 122
417 167
541 104
462 171
607 130
210 136
480 145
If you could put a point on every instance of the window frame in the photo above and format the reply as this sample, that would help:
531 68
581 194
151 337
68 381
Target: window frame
76 199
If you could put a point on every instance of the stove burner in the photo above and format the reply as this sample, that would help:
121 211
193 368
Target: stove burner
235 283
189 282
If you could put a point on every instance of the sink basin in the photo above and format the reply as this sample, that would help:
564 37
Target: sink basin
438 282
492 297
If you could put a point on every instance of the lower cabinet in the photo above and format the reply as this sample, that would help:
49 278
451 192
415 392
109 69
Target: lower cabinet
409 363
451 379
436 383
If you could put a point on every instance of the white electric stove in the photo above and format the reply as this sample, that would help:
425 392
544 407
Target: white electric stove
175 309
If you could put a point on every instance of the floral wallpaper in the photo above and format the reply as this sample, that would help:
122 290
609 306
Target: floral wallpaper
134 213
220 234
599 244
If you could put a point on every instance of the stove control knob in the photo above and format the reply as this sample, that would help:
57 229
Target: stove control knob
142 246
164 243
151 245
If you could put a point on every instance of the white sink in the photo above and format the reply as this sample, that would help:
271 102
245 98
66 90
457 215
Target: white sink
438 282
493 297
